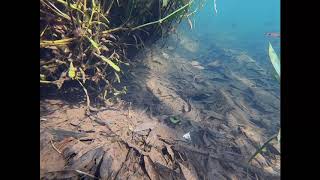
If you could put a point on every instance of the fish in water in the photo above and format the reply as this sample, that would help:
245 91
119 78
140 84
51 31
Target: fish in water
273 34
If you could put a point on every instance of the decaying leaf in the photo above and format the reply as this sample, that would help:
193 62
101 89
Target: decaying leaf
117 76
88 160
83 75
150 168
165 3
145 126
174 120
189 173
65 174
112 161
171 153
105 94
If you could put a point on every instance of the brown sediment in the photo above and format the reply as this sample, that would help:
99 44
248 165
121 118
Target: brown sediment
223 107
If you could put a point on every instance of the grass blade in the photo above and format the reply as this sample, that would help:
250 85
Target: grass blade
274 59
72 6
114 66
65 41
94 44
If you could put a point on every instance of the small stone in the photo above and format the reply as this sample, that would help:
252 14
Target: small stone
75 122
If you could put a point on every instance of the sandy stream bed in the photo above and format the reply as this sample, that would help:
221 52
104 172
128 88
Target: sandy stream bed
229 112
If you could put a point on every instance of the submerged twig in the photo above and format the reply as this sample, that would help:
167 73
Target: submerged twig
54 147
87 174
263 146
165 18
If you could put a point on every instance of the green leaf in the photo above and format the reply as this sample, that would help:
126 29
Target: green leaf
114 66
105 94
94 44
117 76
73 6
165 3
274 59
42 77
174 120
72 71
264 149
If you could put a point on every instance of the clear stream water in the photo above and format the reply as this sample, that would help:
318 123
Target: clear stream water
238 25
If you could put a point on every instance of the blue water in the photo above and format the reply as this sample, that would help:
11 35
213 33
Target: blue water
239 28
239 25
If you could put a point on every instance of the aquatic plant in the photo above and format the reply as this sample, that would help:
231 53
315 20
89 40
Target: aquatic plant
276 64
274 59
92 41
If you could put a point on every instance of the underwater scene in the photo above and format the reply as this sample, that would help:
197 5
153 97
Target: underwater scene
169 89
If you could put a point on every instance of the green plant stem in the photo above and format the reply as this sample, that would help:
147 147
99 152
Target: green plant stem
165 18
87 95
47 82
263 146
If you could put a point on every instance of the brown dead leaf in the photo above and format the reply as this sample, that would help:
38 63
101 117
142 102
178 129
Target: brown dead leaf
150 168
171 153
152 137
156 156
189 173
112 161
145 126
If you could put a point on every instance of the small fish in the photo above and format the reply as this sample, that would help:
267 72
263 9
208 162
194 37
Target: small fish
273 34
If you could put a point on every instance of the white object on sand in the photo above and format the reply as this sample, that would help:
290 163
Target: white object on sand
187 136
196 64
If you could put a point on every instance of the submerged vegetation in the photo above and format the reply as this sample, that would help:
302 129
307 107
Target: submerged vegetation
94 41
276 64
89 46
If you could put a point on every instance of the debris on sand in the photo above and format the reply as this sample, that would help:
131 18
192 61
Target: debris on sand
214 138
196 64
187 136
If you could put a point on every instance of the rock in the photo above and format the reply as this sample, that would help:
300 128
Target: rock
75 122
